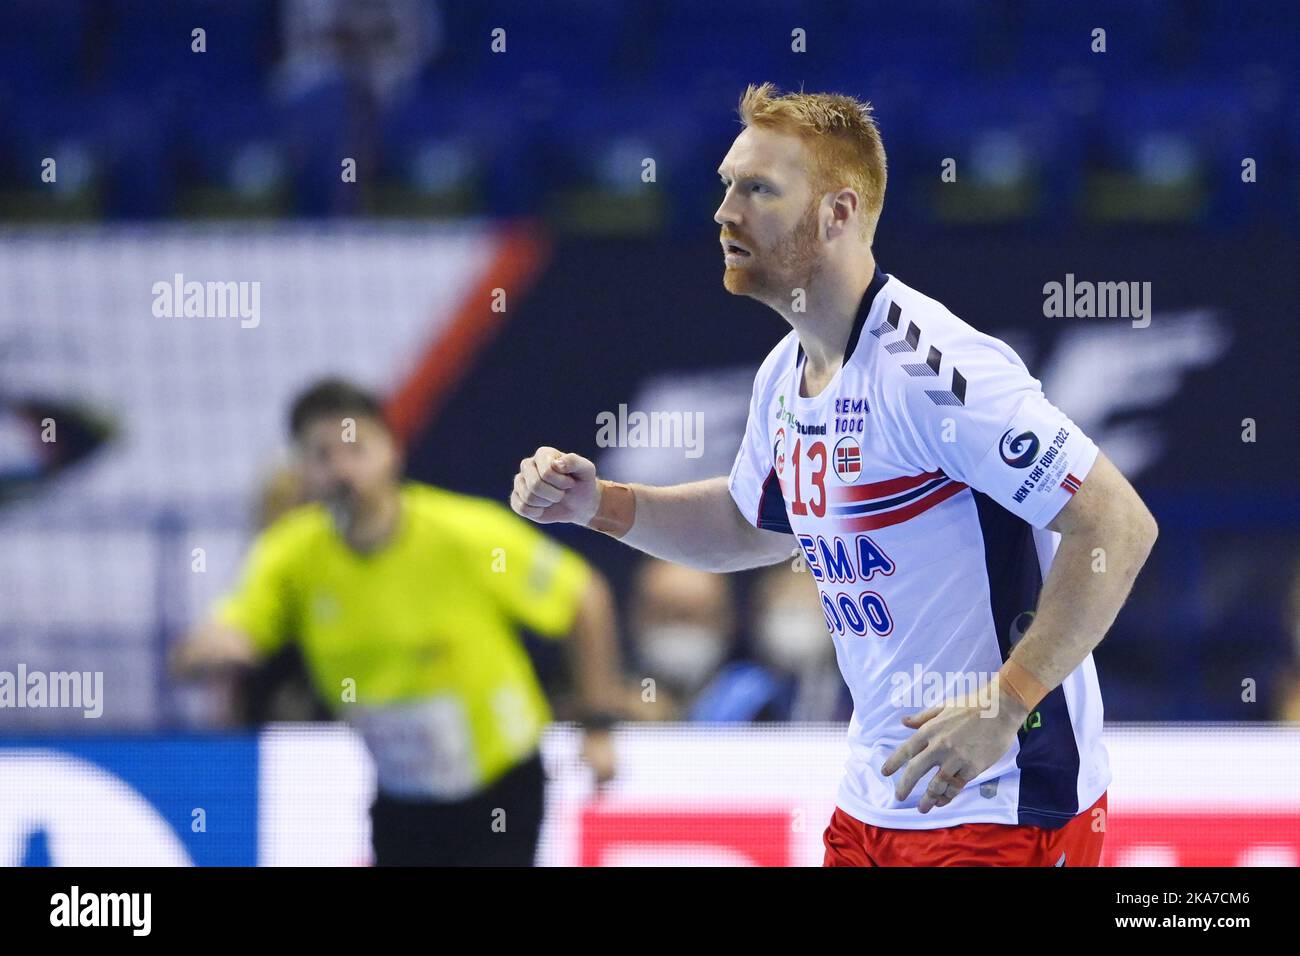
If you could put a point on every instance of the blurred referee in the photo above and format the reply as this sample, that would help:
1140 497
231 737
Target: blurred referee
408 603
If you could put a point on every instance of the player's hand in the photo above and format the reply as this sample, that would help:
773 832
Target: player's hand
962 737
556 486
598 754
214 649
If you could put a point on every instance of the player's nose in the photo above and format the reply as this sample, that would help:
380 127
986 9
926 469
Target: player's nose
726 214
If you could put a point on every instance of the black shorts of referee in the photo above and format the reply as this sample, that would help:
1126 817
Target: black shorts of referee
498 826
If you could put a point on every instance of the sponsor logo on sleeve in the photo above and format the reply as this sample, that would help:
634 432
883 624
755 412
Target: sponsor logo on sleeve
1048 472
1020 451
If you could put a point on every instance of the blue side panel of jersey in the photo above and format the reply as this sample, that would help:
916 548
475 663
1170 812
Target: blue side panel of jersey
771 506
1049 757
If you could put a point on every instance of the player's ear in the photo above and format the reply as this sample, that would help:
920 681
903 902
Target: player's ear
844 210
398 467
396 450
297 458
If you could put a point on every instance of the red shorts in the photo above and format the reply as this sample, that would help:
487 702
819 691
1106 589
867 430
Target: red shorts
851 842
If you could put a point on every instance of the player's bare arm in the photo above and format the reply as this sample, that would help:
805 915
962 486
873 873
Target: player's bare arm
593 659
1106 535
213 647
696 524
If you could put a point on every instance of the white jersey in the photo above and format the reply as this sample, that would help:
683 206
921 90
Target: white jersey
919 485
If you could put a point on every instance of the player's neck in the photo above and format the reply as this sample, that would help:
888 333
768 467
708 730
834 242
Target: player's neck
826 323
369 529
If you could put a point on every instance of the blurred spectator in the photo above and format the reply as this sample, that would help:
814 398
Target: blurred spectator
683 628
795 676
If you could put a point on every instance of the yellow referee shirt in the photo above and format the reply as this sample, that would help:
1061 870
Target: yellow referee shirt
418 644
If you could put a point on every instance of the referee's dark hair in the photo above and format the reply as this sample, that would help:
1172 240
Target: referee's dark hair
333 398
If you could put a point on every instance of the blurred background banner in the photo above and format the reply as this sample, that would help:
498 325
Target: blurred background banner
141 801
709 795
498 216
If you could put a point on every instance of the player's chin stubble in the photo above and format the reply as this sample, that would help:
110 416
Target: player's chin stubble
795 255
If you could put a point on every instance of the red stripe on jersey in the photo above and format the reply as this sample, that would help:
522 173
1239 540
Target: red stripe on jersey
899 515
883 489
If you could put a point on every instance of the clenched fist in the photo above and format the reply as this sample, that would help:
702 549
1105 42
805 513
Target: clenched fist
556 486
